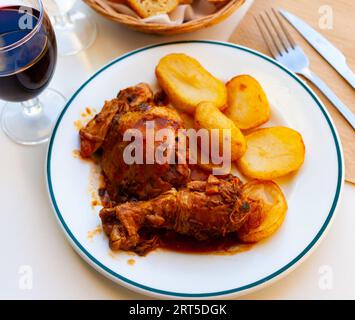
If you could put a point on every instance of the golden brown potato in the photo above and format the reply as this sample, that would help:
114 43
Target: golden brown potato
248 106
271 153
209 117
274 207
187 83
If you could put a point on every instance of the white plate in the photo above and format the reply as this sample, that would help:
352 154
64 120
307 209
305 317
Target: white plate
312 194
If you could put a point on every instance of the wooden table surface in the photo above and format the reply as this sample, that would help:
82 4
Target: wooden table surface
341 34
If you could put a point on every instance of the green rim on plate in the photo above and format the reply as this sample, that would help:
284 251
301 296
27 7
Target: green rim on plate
110 272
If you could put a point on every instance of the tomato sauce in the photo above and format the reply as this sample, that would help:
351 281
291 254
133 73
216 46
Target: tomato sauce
229 244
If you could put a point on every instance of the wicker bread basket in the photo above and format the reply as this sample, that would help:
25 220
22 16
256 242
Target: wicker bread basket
104 9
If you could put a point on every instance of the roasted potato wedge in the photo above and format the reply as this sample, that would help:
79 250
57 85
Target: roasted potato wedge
264 223
272 153
209 117
248 105
187 83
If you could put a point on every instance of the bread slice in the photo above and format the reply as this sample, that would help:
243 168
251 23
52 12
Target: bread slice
147 8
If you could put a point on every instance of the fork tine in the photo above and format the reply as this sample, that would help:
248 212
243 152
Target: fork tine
267 40
288 35
282 40
271 35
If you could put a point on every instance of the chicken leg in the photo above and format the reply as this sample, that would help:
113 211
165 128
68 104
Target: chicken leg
203 209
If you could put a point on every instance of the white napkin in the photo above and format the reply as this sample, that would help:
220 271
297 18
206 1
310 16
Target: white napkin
182 13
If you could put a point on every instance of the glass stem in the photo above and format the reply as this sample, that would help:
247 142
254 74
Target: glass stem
31 107
62 20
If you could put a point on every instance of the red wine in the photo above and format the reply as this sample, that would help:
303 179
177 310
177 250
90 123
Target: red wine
26 70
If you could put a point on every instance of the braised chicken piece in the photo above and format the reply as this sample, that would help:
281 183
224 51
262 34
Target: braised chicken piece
142 180
202 209
93 134
133 108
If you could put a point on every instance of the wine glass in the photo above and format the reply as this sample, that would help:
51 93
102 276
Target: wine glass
28 55
75 31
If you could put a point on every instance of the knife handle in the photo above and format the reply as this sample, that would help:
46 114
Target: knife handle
342 108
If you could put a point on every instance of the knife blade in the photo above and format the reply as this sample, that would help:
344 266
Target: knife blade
327 50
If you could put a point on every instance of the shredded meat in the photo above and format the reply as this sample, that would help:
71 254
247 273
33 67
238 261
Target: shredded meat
203 209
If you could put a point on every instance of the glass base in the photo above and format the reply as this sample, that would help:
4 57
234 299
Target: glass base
74 31
31 126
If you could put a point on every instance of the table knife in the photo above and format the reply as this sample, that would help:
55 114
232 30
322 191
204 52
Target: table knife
327 50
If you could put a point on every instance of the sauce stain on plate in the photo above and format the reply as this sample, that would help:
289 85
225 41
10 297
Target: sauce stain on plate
95 182
76 154
92 233
131 262
85 117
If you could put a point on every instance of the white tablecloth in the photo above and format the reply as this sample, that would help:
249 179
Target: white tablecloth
32 241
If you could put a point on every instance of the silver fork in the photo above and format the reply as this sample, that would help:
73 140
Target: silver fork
285 50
